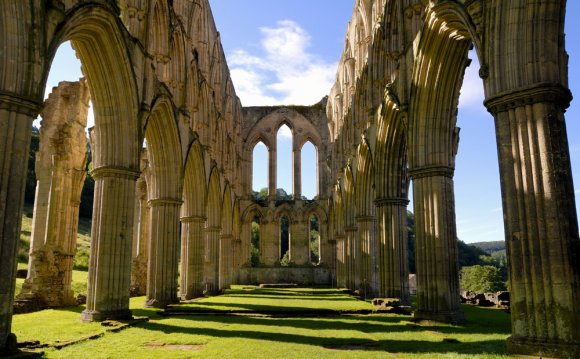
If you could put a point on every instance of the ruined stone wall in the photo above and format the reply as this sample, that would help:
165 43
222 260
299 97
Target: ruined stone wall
60 171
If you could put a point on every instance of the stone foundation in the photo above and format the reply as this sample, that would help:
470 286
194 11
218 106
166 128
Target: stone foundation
304 276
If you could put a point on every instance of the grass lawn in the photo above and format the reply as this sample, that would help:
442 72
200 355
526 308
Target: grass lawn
249 336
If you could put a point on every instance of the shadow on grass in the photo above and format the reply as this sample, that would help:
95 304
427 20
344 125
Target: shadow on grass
337 343
259 308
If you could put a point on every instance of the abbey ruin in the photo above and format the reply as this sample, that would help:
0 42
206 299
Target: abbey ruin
172 159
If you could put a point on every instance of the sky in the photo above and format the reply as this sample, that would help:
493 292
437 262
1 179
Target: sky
287 52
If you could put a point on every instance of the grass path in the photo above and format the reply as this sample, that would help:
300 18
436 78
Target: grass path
219 336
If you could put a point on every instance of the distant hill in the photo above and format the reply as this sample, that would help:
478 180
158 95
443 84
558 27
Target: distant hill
490 247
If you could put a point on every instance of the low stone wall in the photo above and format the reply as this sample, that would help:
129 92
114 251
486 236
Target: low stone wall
299 275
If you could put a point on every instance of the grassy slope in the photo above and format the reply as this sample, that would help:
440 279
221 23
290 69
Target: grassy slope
352 336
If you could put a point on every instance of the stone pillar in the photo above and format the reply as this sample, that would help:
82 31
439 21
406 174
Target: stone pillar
340 261
60 168
236 259
436 245
192 240
541 226
269 242
141 240
162 270
352 270
16 115
392 248
366 237
297 172
226 252
299 242
246 237
111 237
272 173
211 260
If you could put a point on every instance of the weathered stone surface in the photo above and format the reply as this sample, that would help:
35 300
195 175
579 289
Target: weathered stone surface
60 172
161 76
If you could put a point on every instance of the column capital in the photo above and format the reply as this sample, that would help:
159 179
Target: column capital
213 229
193 219
13 102
116 172
362 219
431 171
165 202
528 95
391 201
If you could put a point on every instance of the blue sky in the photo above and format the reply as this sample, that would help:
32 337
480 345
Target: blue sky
286 52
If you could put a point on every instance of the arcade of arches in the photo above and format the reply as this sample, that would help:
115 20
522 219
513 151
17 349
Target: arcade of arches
183 204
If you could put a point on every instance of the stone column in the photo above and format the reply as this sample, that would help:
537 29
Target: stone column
60 167
236 259
246 237
211 260
192 240
436 244
541 226
111 237
299 242
392 248
16 115
297 172
272 173
366 237
141 240
340 261
269 242
162 270
226 252
351 256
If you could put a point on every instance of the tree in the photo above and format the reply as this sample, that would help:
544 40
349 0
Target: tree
255 243
481 279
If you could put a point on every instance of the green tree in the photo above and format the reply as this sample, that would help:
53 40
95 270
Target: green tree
481 279
314 241
255 243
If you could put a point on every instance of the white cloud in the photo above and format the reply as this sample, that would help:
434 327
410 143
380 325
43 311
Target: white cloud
472 89
286 74
285 132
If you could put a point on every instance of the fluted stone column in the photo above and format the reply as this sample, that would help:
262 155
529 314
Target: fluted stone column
236 259
272 173
366 237
270 242
162 270
299 242
141 240
192 241
352 253
541 226
60 168
111 237
211 260
436 245
392 248
340 261
16 115
246 237
297 171
226 251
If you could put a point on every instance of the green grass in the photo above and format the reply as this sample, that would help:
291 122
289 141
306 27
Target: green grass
222 336
247 298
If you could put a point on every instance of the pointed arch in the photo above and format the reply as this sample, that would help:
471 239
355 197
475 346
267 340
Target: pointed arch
227 211
214 199
365 186
194 183
164 152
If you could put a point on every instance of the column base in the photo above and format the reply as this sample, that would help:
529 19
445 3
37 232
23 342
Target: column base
155 303
544 349
449 317
10 346
99 316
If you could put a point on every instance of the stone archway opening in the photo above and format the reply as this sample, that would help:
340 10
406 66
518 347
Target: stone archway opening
314 240
285 245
